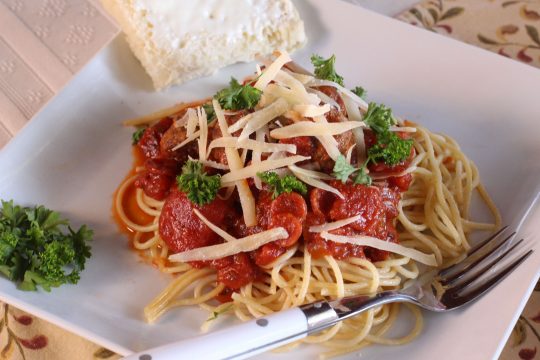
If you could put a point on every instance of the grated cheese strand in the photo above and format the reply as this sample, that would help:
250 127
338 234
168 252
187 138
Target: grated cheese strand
271 71
426 259
225 235
187 140
317 183
262 117
253 169
247 201
192 121
311 110
308 128
334 225
248 243
203 139
250 144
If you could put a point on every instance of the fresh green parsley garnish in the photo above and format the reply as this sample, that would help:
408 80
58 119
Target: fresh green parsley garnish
238 97
200 188
362 176
137 135
343 170
36 250
360 92
325 69
215 314
285 184
379 118
390 148
210 112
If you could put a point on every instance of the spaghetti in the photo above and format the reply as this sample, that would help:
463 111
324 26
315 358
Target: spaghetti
431 217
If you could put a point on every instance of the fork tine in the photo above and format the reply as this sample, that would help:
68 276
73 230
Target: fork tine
468 267
473 251
451 299
480 272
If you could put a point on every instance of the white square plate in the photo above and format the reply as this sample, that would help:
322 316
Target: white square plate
73 155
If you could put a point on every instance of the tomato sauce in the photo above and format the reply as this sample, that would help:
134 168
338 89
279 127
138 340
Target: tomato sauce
182 229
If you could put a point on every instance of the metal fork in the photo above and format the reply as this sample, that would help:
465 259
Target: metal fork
445 290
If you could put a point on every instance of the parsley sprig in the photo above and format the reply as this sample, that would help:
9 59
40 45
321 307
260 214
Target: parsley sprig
360 92
390 148
215 314
238 97
199 187
137 135
210 112
285 184
325 68
36 250
343 170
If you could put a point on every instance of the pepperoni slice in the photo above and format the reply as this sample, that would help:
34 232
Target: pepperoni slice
290 223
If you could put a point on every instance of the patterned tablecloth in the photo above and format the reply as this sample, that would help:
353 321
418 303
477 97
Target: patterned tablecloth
43 43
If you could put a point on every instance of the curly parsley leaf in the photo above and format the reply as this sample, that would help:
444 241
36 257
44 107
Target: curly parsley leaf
343 170
325 68
137 135
36 250
362 176
379 118
238 97
199 187
285 184
360 92
210 112
390 149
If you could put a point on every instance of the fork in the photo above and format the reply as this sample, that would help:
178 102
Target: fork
445 290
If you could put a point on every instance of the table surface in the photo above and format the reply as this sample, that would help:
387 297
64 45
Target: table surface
43 43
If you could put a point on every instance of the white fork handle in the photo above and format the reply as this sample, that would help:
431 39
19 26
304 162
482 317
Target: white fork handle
237 342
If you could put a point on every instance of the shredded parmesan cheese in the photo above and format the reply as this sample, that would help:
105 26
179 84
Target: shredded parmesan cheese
247 201
187 140
203 128
317 183
310 173
311 110
325 98
354 114
248 243
308 128
226 236
334 225
275 91
250 144
253 169
262 117
215 165
271 71
192 121
348 93
383 245
256 155
403 129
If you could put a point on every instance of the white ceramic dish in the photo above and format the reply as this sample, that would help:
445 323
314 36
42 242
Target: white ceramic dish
74 153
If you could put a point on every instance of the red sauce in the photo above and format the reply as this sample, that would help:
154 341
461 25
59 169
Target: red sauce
182 230
382 168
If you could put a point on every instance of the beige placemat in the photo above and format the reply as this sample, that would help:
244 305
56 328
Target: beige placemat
44 42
